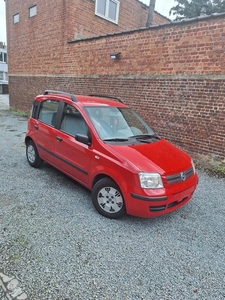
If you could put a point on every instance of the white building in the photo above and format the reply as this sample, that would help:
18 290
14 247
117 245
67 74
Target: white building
3 69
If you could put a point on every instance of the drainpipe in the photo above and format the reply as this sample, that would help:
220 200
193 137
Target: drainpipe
150 13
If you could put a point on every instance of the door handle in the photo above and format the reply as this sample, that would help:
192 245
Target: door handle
35 126
59 139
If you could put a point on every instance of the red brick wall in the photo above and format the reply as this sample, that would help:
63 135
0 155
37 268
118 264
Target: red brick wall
82 19
179 109
189 48
65 18
36 44
173 75
35 41
158 19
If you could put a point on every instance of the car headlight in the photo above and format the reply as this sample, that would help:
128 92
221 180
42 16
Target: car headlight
150 180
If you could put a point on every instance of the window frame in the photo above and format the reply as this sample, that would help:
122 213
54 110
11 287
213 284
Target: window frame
15 21
106 15
30 11
3 57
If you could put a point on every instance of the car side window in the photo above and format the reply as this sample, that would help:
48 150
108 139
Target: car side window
34 110
48 111
72 122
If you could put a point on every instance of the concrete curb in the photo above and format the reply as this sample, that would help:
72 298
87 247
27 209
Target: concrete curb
11 289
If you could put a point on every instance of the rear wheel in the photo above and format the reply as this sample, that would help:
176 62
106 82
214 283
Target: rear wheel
32 155
108 199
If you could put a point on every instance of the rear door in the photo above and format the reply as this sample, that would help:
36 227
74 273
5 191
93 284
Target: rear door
45 131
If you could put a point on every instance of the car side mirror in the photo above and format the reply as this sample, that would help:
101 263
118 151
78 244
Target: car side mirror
83 139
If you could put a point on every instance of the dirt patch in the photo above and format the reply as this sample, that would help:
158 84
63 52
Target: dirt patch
213 166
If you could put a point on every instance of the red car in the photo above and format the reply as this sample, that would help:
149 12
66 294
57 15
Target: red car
108 148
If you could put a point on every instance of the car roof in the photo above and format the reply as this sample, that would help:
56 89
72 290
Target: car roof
91 100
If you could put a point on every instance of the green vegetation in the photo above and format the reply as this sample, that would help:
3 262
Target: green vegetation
192 8
20 113
212 166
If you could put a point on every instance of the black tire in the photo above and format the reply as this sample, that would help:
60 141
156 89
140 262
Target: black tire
108 199
32 155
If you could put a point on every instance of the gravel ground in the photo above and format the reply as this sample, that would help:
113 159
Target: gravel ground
58 247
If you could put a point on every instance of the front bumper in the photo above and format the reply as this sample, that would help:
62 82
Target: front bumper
146 205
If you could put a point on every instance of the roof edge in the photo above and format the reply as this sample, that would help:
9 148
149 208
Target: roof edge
172 23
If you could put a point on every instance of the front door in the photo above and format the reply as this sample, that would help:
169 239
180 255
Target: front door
71 156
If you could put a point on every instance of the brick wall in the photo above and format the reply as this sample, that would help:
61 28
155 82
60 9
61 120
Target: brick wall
82 20
172 106
173 75
35 45
58 20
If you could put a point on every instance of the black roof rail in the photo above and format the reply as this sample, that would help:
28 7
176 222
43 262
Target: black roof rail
73 98
109 97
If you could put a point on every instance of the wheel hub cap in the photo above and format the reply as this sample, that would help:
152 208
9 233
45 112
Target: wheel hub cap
110 200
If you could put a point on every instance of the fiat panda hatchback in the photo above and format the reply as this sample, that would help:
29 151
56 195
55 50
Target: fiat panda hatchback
105 146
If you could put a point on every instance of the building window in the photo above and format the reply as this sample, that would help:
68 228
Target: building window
3 76
32 11
108 9
16 18
3 57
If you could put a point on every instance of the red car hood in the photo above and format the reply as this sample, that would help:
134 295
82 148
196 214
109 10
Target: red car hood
161 157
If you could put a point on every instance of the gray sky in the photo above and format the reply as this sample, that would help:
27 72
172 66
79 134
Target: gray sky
162 6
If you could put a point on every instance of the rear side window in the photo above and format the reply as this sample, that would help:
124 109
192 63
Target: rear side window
34 110
48 112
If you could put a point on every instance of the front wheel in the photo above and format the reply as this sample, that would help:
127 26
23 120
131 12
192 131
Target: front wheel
32 155
107 199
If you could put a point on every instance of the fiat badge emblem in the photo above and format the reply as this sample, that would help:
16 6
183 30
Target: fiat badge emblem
183 176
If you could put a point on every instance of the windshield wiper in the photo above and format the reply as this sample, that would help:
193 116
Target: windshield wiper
145 136
141 138
115 140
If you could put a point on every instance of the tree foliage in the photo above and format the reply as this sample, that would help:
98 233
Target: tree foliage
192 8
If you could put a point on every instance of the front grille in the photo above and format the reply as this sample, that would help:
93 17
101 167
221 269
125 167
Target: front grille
180 176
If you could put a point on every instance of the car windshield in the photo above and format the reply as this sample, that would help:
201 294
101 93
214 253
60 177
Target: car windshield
114 123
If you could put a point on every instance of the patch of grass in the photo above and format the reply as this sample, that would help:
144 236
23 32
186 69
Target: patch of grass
20 113
212 166
220 170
